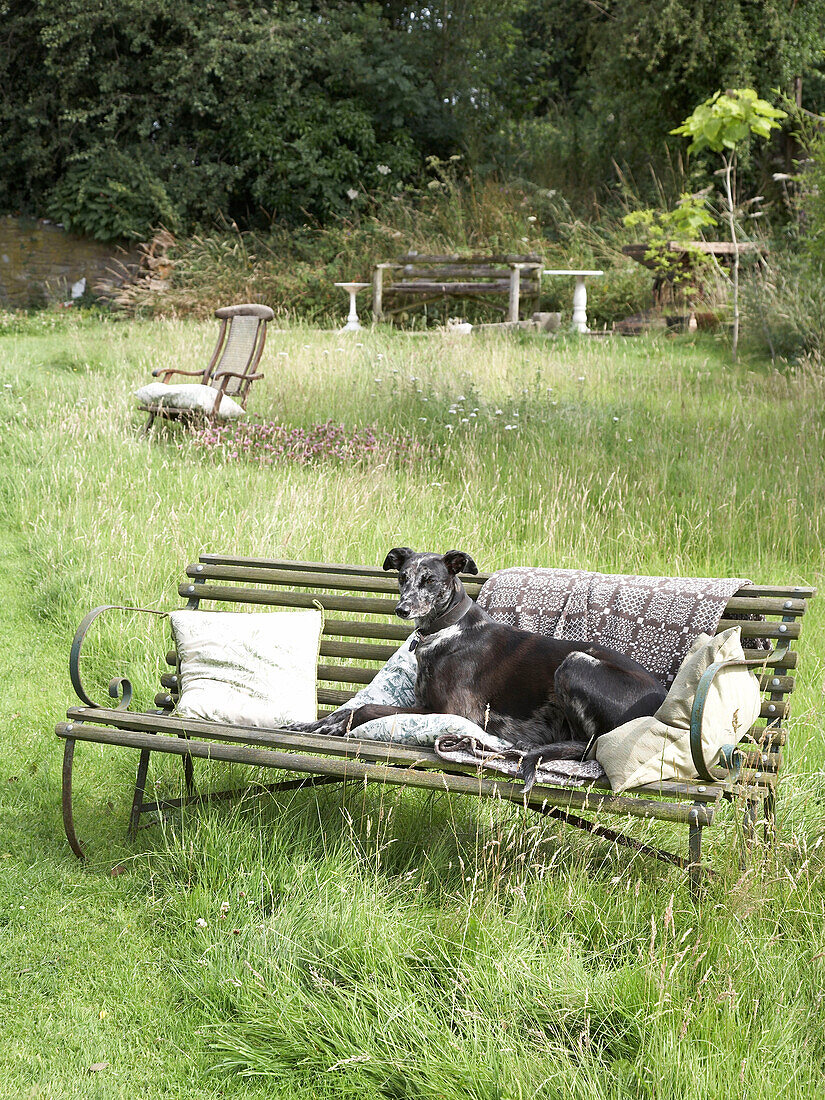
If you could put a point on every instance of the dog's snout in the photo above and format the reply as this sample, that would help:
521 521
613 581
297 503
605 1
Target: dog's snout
402 611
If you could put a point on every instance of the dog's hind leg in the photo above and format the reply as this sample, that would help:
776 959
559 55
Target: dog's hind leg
598 694
595 695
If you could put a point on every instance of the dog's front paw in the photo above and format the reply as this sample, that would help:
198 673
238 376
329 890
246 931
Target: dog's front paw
331 726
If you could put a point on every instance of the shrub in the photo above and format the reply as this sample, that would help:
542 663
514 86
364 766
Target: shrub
266 442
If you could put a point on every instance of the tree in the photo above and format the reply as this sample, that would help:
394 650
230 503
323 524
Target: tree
723 124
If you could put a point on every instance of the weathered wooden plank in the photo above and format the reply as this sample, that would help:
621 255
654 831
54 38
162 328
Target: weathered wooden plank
356 650
443 272
630 806
788 659
356 628
346 674
378 583
333 696
445 287
276 597
767 605
475 257
779 685
777 709
778 590
761 630
387 752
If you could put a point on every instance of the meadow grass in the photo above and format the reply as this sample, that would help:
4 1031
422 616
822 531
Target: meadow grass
380 943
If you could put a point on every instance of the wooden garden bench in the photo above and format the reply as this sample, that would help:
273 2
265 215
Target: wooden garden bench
415 280
360 634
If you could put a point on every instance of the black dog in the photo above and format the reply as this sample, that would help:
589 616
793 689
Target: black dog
547 696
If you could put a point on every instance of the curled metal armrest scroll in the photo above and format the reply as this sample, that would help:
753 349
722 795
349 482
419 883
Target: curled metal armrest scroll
120 687
729 756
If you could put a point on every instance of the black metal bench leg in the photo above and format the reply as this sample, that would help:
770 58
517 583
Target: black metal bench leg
769 806
140 788
68 819
695 873
188 774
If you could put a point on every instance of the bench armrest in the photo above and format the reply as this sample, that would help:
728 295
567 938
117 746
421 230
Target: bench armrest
119 688
236 374
730 756
167 372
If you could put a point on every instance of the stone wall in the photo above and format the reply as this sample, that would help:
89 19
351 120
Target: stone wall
41 263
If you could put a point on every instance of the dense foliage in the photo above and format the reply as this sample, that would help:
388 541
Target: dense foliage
115 117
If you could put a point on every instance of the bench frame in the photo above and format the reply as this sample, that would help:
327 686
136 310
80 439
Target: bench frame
348 593
415 280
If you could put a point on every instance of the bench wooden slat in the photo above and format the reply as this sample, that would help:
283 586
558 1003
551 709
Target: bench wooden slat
385 752
446 288
361 604
475 257
507 790
803 592
298 579
347 674
475 271
767 629
355 628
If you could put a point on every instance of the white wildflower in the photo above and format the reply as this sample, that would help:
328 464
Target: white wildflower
352 194
383 169
615 420
498 412
200 922
532 218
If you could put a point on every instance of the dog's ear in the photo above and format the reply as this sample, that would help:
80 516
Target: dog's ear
396 557
459 562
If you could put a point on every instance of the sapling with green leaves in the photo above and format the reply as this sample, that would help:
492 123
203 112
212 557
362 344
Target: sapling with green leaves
721 124
681 269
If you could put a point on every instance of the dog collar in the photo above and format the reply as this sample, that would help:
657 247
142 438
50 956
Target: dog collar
449 618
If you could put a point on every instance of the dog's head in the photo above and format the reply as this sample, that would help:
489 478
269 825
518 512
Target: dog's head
428 583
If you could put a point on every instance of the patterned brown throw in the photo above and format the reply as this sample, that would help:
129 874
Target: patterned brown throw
654 620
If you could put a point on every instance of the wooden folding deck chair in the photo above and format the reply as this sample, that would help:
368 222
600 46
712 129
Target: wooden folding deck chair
232 368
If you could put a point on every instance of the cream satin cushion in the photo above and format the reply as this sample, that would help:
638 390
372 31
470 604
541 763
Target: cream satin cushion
188 396
248 669
648 750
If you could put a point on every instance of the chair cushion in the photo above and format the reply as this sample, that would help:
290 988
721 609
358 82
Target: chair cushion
247 668
648 750
192 396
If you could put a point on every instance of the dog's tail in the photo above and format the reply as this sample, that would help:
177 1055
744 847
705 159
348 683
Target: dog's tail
561 750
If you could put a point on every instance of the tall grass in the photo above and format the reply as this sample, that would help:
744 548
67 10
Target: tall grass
294 272
387 943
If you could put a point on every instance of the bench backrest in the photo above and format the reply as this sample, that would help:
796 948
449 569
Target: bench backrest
361 631
414 266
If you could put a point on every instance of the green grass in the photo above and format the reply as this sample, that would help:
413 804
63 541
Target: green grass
387 943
